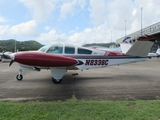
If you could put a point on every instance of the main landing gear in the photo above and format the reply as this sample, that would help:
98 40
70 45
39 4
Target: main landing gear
56 81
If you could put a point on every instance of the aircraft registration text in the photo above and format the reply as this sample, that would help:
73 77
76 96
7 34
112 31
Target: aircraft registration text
97 62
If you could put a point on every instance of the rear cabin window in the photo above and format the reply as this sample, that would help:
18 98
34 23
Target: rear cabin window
69 50
84 51
55 49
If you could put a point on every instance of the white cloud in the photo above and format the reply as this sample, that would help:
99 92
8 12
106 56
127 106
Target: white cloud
112 15
97 34
70 7
41 9
150 12
88 35
52 37
24 29
119 12
4 30
47 28
105 16
134 12
2 19
98 11
66 8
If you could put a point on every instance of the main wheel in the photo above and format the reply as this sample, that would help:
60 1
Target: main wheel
55 81
19 77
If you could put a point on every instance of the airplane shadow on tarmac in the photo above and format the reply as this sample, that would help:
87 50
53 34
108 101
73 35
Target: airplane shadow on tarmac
46 90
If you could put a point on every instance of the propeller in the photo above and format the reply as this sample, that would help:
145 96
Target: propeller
11 63
2 54
12 59
3 51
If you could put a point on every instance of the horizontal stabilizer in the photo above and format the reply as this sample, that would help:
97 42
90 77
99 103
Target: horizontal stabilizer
142 46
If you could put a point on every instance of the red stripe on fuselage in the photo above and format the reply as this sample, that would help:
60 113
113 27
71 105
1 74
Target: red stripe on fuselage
110 53
44 59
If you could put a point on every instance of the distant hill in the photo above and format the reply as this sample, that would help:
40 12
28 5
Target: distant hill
9 45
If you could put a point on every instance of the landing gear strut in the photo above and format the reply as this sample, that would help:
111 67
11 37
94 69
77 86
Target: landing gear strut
56 81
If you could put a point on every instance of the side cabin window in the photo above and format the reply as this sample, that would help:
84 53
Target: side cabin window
69 50
84 51
55 49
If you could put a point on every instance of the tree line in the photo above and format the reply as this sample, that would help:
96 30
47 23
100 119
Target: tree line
9 45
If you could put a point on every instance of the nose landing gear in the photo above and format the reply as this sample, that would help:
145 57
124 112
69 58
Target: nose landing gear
19 77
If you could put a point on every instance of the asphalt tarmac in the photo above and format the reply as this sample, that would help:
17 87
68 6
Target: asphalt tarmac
135 81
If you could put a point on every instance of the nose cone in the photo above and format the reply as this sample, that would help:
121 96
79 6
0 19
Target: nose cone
12 56
43 59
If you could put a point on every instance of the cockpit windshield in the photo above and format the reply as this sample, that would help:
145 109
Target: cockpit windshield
56 49
44 48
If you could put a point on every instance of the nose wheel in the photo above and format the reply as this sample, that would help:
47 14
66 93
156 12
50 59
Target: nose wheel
19 77
56 81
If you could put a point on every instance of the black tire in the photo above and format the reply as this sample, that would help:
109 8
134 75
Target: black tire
19 77
56 81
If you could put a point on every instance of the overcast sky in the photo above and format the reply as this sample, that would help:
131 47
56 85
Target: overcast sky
74 21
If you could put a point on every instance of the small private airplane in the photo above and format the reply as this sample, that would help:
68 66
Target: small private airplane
59 58
125 45
156 54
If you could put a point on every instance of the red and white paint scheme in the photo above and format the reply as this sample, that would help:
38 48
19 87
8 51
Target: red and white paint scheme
60 58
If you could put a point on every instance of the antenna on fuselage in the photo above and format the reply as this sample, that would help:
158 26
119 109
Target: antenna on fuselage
58 39
84 43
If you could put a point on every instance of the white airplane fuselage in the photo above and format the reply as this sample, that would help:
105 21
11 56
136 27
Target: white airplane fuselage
93 59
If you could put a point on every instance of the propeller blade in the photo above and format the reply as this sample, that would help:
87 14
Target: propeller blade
11 62
3 51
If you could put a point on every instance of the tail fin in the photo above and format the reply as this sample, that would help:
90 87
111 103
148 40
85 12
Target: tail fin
142 46
125 44
126 39
125 47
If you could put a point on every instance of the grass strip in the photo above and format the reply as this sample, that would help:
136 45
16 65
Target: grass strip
81 110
